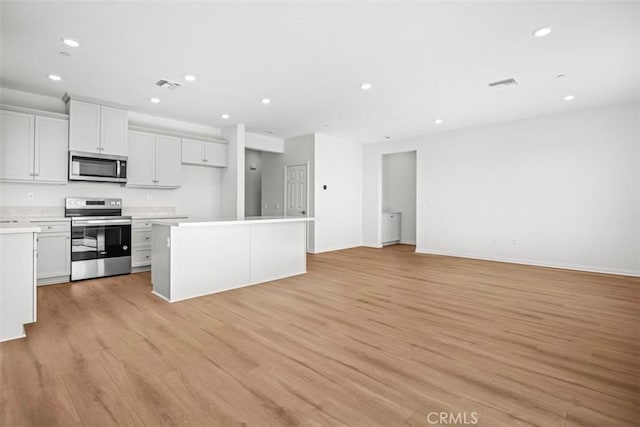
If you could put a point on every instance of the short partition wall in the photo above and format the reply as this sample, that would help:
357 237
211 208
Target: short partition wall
191 261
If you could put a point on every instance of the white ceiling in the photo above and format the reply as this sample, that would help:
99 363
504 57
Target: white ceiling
426 60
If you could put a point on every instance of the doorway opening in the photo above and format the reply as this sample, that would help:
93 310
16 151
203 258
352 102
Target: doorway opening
399 197
263 189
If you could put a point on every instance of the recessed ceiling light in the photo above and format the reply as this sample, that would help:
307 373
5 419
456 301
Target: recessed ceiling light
55 77
438 121
225 116
366 86
155 100
265 101
559 76
71 42
541 32
65 54
190 78
387 137
569 98
270 132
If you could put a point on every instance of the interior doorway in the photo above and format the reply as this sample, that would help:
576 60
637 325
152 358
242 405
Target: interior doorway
399 197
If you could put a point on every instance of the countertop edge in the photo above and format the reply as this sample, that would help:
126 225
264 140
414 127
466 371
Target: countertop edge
230 222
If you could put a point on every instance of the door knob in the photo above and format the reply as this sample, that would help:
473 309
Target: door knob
303 212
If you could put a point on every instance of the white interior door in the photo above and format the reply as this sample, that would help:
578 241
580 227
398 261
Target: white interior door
296 185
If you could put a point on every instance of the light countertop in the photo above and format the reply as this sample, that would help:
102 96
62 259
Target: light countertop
15 226
230 221
158 216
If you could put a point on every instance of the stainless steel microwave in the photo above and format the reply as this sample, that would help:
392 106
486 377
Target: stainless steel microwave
97 167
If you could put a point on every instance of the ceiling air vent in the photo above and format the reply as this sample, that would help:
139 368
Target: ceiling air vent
168 84
505 82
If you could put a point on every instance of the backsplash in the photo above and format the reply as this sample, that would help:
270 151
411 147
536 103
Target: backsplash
31 211
58 212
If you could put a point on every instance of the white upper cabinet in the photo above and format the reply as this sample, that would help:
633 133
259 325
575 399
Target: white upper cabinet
51 149
33 148
113 131
168 164
84 127
215 154
205 153
192 151
154 160
141 164
97 129
16 145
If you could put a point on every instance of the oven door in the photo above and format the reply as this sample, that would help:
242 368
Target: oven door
100 248
94 167
101 240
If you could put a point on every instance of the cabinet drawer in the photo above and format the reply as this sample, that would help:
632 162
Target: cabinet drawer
141 224
141 257
53 226
141 237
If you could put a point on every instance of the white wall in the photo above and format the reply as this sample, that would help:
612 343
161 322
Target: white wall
232 180
256 141
19 98
399 191
560 190
252 183
272 196
338 209
300 150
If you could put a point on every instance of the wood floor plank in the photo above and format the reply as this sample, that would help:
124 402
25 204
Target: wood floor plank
368 337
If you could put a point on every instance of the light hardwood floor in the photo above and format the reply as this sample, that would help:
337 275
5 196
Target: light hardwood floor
369 337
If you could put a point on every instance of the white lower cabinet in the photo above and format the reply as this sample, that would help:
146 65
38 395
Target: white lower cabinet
141 241
391 227
54 252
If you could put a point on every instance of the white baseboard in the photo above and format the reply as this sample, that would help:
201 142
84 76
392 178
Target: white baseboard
536 263
334 248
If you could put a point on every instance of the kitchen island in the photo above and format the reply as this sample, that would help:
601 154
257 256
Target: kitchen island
193 258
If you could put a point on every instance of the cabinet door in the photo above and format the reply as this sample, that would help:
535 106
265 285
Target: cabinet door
54 251
84 127
141 162
51 149
215 154
113 131
16 145
192 151
168 163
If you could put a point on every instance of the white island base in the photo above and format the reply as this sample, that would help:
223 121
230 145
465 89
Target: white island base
196 258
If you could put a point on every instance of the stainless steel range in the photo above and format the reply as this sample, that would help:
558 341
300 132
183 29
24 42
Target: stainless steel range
100 238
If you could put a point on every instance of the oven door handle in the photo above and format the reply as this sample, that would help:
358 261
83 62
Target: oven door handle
118 169
102 222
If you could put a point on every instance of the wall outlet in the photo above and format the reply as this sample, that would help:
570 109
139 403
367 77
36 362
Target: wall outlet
149 198
277 205
29 196
266 205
